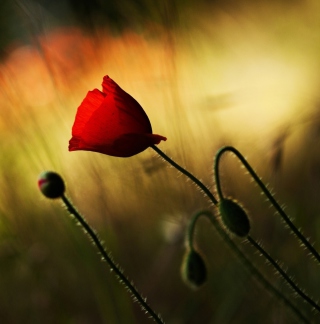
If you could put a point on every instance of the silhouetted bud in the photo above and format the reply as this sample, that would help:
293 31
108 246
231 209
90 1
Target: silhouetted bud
51 184
234 217
194 271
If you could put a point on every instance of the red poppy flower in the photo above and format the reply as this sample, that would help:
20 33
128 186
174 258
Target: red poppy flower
112 122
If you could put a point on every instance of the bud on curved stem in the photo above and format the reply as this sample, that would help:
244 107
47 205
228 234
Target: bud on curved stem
273 201
49 185
193 270
248 264
234 217
244 259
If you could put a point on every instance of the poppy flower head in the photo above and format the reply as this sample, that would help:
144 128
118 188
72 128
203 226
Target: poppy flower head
112 122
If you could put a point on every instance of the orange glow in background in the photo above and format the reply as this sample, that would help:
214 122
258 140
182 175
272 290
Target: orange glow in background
247 77
241 80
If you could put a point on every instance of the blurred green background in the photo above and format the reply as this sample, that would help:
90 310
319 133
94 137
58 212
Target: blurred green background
208 74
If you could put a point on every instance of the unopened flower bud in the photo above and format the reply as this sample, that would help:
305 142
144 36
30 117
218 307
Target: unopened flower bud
194 271
234 217
51 184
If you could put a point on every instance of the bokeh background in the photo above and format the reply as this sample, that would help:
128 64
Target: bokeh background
208 74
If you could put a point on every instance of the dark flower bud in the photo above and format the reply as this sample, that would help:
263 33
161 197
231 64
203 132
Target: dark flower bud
194 271
234 217
51 184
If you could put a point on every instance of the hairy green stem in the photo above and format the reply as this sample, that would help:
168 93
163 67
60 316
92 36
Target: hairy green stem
186 173
251 268
285 276
278 208
192 226
225 236
107 258
254 243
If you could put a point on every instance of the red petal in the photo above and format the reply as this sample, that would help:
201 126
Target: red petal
132 117
89 105
118 114
131 144
74 144
124 146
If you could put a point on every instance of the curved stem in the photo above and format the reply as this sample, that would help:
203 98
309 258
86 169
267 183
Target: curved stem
225 236
192 226
250 267
285 276
107 258
186 173
278 208
217 174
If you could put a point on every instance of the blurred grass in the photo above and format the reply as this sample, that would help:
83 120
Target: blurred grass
206 76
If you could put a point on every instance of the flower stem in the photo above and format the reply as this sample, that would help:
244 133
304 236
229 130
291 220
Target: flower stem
251 268
251 240
281 212
107 258
186 173
283 273
192 226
